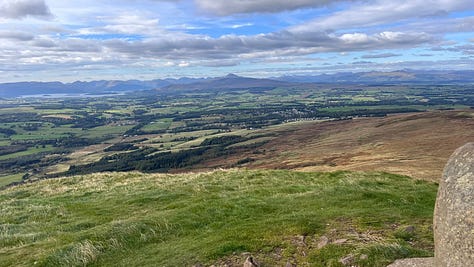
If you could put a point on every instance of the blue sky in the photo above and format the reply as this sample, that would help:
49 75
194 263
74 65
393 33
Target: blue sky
56 40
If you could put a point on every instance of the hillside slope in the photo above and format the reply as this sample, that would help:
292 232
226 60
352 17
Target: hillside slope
415 144
134 219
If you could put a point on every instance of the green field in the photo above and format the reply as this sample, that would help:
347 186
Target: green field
41 134
134 219
30 151
8 179
157 125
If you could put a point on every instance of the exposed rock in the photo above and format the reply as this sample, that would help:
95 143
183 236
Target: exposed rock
414 262
454 211
454 215
340 241
347 260
250 262
302 240
409 229
323 241
289 264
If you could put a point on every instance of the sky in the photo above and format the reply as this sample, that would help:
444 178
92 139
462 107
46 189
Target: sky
58 40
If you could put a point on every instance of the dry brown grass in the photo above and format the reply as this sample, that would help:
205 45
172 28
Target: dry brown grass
416 144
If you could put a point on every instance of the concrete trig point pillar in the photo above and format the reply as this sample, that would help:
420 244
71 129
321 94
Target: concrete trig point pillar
454 215
454 211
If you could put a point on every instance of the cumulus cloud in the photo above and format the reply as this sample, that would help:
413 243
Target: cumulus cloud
19 9
229 7
376 13
140 34
262 45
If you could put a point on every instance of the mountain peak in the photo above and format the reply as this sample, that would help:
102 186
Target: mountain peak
231 75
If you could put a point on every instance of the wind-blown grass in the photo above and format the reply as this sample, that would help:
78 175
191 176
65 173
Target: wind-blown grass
134 219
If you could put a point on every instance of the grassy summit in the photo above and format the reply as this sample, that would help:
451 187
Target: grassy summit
134 219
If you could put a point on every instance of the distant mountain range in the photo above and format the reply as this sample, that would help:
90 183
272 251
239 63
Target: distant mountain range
92 87
232 81
374 77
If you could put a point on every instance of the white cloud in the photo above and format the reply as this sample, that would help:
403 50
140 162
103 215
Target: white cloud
377 13
354 38
107 35
236 26
183 64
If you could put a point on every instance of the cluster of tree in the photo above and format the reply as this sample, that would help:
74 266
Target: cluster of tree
89 121
7 131
150 160
27 163
121 147
30 127
4 150
19 117
223 141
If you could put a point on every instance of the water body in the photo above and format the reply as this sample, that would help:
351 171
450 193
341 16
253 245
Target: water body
72 95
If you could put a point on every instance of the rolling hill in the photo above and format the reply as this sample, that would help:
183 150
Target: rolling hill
231 81
415 144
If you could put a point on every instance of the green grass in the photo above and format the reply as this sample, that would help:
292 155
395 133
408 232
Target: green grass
162 124
133 219
29 151
8 179
106 130
4 142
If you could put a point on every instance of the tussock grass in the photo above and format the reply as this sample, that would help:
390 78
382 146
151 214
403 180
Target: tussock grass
135 219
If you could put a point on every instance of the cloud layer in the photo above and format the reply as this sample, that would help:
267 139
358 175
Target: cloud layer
145 38
229 7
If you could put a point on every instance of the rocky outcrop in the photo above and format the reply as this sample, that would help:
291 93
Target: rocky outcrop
250 262
454 211
414 262
454 215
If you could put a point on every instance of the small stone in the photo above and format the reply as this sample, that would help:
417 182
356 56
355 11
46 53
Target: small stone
323 241
302 240
409 229
347 260
250 262
340 241
289 264
363 257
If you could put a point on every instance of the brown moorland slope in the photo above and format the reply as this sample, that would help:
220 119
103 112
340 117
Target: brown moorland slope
416 144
